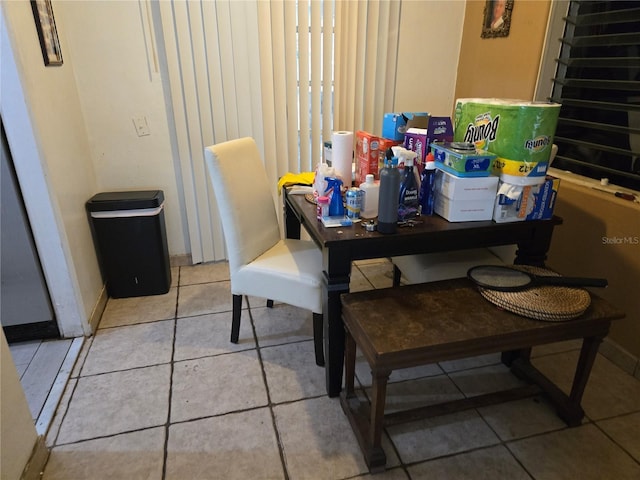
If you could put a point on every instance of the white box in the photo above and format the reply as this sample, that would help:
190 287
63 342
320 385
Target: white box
465 188
464 210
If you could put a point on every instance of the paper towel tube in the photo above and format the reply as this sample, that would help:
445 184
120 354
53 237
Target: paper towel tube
342 155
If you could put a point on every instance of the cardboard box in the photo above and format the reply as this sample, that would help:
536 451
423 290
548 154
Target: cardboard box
460 199
535 202
463 210
394 125
461 188
419 139
370 150
473 163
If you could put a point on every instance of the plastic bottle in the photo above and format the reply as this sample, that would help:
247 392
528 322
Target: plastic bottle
334 192
389 194
408 203
371 191
427 182
323 207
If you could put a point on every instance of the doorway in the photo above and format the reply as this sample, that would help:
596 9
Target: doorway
26 312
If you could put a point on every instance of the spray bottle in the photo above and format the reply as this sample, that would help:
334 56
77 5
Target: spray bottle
334 192
427 185
408 198
389 194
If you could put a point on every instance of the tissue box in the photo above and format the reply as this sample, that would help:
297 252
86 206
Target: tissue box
395 125
369 151
419 139
477 163
460 199
535 202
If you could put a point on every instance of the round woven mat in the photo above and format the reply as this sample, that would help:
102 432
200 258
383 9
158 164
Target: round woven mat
549 303
310 198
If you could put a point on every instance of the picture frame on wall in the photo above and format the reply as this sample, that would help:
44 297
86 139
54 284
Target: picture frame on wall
47 33
497 18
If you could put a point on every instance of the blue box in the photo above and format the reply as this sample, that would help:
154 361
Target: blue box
476 163
535 202
395 125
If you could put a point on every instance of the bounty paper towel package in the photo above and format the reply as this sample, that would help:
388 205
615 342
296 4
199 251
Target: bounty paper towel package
520 133
517 203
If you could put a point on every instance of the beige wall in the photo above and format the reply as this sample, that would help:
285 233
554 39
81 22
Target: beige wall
503 67
18 433
600 237
507 67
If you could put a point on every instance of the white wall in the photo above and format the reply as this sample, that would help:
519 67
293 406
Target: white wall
429 48
117 71
46 133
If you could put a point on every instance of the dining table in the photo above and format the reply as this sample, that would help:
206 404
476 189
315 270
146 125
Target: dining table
340 246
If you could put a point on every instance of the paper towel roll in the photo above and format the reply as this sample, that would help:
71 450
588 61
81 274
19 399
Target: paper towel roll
519 132
342 155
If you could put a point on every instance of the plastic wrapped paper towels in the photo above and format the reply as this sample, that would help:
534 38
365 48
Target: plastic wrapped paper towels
520 133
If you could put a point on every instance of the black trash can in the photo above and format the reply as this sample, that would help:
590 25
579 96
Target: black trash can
131 242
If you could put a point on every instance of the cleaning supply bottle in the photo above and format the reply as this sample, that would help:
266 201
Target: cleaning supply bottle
334 192
371 190
408 199
427 183
389 194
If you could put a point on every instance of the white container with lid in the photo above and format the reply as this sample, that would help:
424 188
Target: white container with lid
371 189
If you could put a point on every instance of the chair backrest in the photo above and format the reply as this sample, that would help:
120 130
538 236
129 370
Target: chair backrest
241 188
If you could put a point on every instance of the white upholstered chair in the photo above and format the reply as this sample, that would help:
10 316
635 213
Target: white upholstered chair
261 263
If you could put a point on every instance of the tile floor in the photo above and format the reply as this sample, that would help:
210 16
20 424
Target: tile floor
160 393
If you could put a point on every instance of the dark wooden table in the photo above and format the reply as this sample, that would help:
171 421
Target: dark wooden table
421 324
342 245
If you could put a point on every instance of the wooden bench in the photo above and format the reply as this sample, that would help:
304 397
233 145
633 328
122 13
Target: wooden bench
420 324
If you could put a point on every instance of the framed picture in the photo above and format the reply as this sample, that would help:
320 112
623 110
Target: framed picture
47 33
497 18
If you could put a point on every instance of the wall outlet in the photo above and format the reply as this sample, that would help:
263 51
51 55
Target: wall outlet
141 126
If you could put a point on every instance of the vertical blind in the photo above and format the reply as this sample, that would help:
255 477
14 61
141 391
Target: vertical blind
598 84
286 73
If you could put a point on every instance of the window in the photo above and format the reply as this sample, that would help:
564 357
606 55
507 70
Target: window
597 82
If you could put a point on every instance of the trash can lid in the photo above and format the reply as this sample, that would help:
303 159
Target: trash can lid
108 201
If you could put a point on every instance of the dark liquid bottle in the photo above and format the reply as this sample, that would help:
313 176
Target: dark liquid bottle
388 198
408 200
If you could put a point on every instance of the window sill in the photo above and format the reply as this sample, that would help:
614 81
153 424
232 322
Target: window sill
593 184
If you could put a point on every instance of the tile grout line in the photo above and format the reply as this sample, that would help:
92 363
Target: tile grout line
266 386
165 452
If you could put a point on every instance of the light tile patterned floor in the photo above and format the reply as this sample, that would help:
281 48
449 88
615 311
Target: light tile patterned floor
160 393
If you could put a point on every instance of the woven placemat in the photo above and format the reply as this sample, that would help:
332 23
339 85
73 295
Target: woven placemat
549 303
309 197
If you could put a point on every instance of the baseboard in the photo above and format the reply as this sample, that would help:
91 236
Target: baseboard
34 467
183 260
620 357
98 309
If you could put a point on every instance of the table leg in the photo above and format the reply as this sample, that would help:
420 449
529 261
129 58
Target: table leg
376 458
291 221
533 250
333 332
349 364
572 412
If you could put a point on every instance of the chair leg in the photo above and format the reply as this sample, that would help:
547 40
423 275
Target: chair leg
396 276
269 303
235 322
317 338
